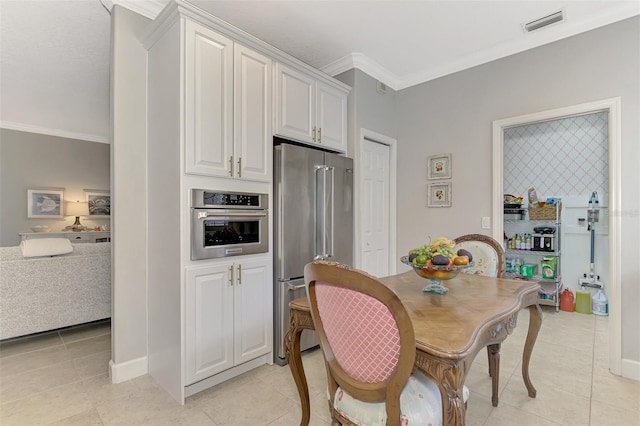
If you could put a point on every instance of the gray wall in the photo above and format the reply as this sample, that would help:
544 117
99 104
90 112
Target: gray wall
367 108
129 243
454 114
35 161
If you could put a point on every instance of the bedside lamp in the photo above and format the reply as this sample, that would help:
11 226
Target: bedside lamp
78 209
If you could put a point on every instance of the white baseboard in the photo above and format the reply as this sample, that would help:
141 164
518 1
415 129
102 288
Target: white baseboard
630 369
124 371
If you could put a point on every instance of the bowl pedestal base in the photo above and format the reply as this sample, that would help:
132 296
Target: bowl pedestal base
435 287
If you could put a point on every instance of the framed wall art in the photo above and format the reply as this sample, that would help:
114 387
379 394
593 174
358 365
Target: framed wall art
45 204
439 194
99 203
439 167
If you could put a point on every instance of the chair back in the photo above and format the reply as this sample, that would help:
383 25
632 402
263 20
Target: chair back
365 333
488 255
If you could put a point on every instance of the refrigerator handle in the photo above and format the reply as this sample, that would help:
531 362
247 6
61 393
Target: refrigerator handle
331 208
320 244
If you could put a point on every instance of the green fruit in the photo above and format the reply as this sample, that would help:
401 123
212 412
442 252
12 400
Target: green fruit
463 252
421 260
440 260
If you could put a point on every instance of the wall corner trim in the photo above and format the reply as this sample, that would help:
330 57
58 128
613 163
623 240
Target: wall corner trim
124 371
630 369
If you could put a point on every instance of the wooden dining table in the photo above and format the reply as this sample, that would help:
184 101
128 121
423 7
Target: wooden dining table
450 329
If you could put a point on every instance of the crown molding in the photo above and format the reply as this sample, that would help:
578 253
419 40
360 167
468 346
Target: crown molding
147 8
365 64
10 125
178 10
528 41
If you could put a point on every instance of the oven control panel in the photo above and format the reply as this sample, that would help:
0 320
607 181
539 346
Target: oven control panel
202 198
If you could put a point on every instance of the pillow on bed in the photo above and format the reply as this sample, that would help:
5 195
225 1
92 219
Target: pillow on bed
45 247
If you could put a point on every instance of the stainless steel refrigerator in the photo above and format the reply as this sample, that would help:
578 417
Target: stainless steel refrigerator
313 216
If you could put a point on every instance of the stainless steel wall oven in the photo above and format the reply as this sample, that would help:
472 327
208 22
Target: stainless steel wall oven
228 224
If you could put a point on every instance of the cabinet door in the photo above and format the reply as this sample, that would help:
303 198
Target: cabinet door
208 101
253 310
252 115
295 104
331 117
209 320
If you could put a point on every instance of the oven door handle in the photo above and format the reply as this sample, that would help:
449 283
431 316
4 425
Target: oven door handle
222 214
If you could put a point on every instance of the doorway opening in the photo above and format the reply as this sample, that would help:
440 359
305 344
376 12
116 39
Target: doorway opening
612 108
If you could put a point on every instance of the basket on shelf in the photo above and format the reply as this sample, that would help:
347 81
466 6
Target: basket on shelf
545 212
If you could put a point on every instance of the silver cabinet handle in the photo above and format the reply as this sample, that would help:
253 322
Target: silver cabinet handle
231 275
319 135
231 166
313 132
239 274
239 166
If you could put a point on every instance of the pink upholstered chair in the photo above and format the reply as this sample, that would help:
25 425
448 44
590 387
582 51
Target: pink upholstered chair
368 344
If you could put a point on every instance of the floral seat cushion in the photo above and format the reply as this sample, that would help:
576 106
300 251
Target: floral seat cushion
484 257
420 404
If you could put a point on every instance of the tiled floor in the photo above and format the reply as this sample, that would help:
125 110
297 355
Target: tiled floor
60 378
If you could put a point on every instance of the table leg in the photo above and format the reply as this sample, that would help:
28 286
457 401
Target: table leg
292 352
449 375
535 321
494 371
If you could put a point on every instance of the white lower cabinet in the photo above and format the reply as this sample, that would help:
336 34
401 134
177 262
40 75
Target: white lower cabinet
228 316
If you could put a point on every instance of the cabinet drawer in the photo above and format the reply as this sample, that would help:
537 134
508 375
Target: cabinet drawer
79 238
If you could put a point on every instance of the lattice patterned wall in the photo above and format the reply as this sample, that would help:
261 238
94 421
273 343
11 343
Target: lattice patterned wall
561 157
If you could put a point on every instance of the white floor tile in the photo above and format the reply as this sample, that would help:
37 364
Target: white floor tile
60 378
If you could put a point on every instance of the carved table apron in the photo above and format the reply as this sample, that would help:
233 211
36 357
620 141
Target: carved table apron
450 329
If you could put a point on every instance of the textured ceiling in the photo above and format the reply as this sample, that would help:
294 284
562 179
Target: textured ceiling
54 66
54 54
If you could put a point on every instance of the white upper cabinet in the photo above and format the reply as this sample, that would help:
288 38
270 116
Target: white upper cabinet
331 116
252 114
309 110
227 108
295 98
208 101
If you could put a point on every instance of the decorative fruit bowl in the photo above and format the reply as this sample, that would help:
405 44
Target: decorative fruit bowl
435 273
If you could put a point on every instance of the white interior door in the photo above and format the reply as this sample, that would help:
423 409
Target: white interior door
374 208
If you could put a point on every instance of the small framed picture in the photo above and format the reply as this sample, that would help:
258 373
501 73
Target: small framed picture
439 194
45 204
99 203
439 166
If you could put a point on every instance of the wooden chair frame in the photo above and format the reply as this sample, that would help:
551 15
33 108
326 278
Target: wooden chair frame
493 351
388 390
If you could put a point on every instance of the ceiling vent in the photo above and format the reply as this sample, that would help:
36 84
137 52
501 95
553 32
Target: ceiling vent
544 22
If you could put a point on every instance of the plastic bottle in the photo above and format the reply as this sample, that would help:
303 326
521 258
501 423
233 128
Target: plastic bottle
566 301
583 301
600 304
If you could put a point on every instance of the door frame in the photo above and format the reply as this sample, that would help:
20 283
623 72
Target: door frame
612 106
358 185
